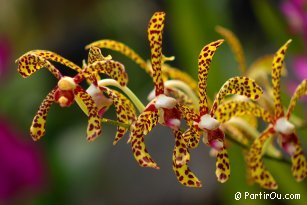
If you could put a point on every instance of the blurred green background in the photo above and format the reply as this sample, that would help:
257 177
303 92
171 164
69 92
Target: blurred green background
63 168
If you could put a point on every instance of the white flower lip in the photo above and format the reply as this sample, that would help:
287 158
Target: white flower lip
164 101
174 123
217 144
208 122
151 95
66 83
283 126
92 90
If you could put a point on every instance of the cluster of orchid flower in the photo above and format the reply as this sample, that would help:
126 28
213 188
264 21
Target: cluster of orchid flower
177 97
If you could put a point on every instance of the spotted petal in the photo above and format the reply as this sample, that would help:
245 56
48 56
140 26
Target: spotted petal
300 91
255 163
123 49
235 46
174 73
192 134
237 85
204 61
222 166
144 123
181 151
184 175
49 55
231 109
276 74
30 63
155 31
125 111
94 55
299 169
114 69
86 101
37 129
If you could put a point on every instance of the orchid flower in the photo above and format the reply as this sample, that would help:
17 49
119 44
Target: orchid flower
259 70
162 109
205 121
68 89
279 125
125 110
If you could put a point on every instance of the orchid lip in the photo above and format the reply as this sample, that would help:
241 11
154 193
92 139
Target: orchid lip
166 102
208 122
283 126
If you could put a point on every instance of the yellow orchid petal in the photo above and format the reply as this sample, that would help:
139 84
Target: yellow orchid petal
123 49
125 111
155 31
222 166
299 169
94 124
181 151
255 163
192 134
204 61
235 46
49 55
174 73
30 63
278 62
144 123
114 69
37 129
300 90
231 109
94 54
184 175
240 86
192 137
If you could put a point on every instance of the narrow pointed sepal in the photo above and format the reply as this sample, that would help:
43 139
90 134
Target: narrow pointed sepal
298 159
184 175
144 123
37 129
49 55
300 91
222 171
237 85
204 61
155 31
30 63
255 163
278 62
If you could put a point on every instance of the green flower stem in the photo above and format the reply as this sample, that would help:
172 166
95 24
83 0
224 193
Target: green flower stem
136 101
184 87
115 123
